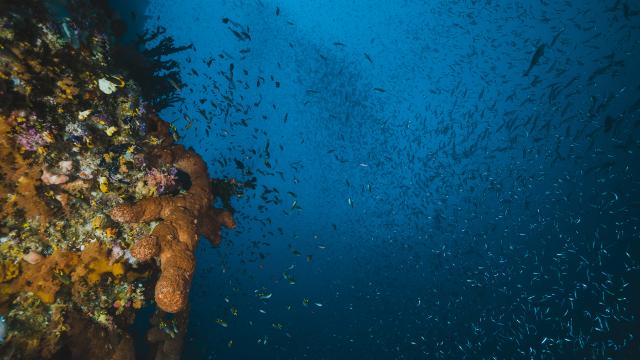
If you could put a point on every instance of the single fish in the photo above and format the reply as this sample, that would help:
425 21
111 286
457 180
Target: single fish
238 35
290 279
555 38
174 84
536 57
3 329
295 205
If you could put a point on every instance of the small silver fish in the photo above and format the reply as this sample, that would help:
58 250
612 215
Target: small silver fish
3 329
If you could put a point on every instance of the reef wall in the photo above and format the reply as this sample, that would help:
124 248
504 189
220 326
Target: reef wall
100 209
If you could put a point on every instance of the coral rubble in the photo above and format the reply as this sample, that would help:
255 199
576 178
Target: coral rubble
97 202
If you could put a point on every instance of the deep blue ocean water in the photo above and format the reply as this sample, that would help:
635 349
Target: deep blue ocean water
435 179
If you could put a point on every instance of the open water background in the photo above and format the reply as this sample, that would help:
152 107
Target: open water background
442 204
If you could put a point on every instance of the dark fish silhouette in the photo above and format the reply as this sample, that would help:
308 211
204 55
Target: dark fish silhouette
608 124
536 57
555 38
237 35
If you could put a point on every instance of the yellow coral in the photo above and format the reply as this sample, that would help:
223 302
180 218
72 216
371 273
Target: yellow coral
108 157
104 184
61 269
102 266
9 266
66 89
9 270
45 296
98 221
110 232
111 130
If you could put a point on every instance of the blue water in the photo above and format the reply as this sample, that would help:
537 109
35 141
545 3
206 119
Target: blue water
443 205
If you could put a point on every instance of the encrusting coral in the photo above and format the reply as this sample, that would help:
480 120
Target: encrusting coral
20 176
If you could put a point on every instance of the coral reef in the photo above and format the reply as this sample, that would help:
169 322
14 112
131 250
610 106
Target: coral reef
99 208
183 216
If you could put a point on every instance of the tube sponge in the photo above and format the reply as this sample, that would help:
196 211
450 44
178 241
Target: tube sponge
183 217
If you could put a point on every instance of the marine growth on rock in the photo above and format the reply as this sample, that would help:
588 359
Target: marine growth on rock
94 221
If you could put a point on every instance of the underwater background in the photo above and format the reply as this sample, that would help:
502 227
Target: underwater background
441 179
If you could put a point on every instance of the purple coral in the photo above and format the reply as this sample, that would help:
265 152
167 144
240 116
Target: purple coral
161 179
31 140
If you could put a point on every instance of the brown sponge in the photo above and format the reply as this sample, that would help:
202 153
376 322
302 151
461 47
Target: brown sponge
183 217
